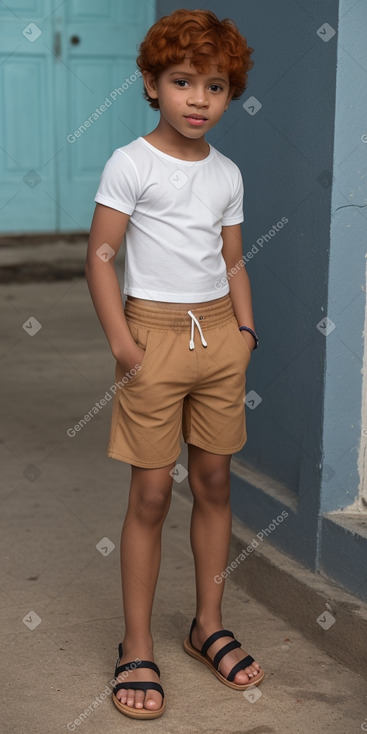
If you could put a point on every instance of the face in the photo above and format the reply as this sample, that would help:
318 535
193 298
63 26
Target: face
190 102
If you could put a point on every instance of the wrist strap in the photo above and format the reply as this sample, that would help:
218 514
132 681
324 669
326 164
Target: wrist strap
247 328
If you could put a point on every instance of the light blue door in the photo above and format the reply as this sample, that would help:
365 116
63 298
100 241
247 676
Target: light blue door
70 96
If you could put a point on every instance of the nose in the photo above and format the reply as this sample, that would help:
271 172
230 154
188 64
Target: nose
198 96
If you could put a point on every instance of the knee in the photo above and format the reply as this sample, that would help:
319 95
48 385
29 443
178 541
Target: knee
151 504
211 486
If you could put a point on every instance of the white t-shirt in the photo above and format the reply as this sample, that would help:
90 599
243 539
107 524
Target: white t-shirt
177 209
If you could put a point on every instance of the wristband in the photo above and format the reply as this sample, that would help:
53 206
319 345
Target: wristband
247 328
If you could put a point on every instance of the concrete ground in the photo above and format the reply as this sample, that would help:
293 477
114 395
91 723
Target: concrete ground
62 503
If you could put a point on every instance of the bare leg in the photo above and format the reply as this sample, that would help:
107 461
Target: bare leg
211 522
149 501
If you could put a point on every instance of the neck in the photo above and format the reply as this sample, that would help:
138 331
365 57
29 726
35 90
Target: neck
170 141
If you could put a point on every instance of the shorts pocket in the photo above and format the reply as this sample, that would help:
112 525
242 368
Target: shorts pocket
142 337
245 347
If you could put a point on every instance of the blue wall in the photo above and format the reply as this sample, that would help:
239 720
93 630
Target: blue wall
347 282
304 435
282 151
343 537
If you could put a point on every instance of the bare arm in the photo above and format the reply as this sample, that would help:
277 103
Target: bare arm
109 226
238 279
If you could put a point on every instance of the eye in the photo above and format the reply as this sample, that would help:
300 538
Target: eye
180 81
218 87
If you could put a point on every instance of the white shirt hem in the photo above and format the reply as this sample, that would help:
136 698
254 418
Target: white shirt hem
177 297
124 208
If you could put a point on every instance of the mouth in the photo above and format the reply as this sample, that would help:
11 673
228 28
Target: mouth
196 119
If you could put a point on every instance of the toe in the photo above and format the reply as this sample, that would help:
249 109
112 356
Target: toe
243 677
255 669
130 697
121 695
153 700
248 675
139 699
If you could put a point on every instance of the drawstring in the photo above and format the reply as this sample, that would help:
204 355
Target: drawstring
193 322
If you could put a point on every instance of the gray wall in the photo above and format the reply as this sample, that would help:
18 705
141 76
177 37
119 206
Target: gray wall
343 546
283 151
304 435
347 281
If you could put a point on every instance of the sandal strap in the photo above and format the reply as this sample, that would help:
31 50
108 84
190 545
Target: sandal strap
193 623
214 637
244 663
223 651
142 664
140 686
121 652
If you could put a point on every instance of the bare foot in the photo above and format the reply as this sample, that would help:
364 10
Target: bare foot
247 675
150 699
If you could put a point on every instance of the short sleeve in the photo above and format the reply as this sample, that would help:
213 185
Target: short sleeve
233 214
119 185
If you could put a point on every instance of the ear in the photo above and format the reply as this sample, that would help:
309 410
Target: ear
150 84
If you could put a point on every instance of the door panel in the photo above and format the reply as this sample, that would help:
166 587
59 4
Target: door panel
26 120
71 96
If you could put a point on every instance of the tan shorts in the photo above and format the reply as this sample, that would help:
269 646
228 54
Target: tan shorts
182 385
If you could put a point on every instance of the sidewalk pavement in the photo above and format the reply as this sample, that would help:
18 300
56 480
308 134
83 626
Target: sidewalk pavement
62 505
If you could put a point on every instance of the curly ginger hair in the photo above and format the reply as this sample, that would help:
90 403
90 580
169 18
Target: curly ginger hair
200 34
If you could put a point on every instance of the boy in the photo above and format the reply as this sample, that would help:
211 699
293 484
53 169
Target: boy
184 340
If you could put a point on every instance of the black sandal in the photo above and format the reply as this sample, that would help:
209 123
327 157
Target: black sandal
202 656
135 713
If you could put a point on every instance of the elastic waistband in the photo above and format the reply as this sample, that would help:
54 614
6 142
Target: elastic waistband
209 315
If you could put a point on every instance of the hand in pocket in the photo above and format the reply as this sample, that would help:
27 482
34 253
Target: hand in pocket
130 361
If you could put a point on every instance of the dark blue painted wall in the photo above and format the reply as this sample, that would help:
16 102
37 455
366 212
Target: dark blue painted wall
285 154
310 76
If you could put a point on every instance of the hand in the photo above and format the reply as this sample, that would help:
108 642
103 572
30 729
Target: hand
129 360
250 341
